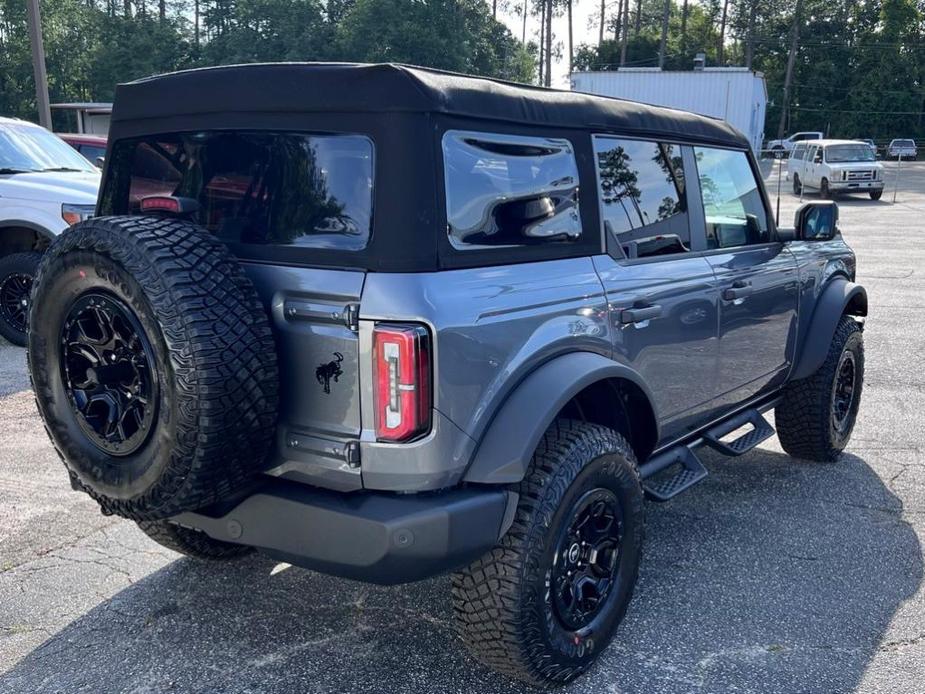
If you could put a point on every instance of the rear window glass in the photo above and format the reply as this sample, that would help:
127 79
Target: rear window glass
509 190
255 187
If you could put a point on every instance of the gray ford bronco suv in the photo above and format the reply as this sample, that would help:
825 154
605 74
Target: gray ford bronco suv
387 322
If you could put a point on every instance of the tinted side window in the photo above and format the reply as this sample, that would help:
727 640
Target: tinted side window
798 152
256 187
509 190
643 204
732 202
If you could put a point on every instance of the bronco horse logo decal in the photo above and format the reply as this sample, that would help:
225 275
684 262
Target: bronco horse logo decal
326 372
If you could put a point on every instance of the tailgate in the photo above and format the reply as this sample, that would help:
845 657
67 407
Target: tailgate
313 313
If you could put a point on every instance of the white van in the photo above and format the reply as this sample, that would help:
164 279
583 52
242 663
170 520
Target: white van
836 166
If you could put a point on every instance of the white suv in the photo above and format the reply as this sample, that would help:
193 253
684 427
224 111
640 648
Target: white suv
836 166
45 186
789 143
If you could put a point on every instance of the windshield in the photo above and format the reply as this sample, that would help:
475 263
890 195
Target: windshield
27 148
836 154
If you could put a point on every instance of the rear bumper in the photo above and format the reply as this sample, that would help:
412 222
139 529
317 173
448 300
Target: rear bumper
374 537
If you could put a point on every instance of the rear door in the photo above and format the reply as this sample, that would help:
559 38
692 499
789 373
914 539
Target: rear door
661 293
271 197
757 277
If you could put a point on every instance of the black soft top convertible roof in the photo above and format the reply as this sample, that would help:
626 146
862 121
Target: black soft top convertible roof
388 88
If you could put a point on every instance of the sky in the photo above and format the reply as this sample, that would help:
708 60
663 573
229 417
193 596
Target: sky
585 19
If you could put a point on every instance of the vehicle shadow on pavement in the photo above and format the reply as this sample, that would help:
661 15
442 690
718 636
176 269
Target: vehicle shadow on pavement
773 575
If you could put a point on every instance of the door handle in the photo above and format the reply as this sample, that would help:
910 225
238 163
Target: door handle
640 314
739 290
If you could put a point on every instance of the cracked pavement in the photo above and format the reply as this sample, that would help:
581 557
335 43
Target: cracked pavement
772 575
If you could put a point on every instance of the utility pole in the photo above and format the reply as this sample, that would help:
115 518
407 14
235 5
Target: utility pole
791 59
571 39
664 42
38 63
720 48
624 23
750 40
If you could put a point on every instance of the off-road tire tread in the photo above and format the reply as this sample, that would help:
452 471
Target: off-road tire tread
803 416
487 594
28 260
219 345
192 543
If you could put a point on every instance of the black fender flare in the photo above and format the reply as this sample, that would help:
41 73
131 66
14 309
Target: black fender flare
516 429
839 297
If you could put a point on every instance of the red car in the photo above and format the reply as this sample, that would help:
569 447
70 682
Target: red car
93 147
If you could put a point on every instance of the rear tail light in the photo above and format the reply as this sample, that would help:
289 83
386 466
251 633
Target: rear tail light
401 377
169 204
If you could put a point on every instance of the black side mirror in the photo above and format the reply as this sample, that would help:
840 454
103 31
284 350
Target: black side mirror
816 221
818 158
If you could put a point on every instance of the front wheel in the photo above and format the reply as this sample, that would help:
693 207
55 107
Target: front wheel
545 602
797 186
824 191
17 273
817 414
876 194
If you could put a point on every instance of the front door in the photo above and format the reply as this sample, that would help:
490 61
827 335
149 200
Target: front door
661 293
756 274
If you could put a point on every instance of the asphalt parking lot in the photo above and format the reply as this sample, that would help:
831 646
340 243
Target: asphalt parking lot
773 575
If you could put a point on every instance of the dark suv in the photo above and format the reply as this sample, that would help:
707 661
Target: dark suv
387 322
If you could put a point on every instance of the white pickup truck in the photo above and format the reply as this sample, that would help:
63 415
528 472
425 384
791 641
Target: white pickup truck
787 144
836 166
45 186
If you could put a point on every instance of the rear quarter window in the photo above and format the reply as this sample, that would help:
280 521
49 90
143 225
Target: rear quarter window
259 188
509 190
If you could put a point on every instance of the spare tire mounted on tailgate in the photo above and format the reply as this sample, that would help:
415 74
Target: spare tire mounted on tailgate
153 362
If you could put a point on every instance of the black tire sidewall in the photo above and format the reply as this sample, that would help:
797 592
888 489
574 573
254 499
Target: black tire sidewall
124 477
566 648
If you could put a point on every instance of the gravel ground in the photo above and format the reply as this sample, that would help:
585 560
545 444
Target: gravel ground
771 576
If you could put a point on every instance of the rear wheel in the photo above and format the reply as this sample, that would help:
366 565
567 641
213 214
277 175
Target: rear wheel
17 273
192 543
817 414
545 602
153 365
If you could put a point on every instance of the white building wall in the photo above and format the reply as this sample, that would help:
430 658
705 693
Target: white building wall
736 95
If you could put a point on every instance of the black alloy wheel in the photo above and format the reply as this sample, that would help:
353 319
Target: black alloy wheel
843 393
15 289
585 562
107 366
17 274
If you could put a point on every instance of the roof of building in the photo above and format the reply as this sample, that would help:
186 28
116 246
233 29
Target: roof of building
364 88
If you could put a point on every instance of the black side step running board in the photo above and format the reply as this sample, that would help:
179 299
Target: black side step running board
760 431
663 487
661 484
